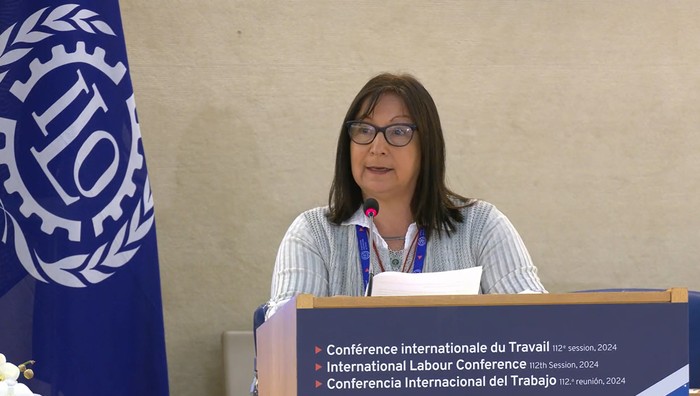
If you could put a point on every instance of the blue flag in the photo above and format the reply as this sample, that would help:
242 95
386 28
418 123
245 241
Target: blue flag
79 279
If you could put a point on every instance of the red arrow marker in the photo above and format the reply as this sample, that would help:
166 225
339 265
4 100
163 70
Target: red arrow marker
317 350
318 366
318 384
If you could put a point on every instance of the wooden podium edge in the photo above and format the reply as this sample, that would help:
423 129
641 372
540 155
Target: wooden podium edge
277 352
679 294
673 295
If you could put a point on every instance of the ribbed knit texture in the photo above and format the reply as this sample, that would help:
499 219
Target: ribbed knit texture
320 258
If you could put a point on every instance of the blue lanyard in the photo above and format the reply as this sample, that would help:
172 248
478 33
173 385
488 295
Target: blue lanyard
364 248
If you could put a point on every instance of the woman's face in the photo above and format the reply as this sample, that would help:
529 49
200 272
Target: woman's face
383 171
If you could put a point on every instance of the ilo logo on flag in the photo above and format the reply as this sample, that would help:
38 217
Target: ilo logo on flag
75 201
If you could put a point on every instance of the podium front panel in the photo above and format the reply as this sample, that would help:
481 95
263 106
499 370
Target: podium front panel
595 349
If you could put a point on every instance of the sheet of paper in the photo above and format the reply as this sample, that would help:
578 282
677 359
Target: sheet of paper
457 282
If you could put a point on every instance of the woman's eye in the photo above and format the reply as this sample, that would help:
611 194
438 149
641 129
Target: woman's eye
399 131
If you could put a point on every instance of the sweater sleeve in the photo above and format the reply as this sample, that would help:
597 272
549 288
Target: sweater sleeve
507 266
299 267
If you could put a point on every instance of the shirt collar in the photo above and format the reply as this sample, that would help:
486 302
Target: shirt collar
357 218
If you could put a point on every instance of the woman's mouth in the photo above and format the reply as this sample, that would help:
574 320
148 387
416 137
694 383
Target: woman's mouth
378 169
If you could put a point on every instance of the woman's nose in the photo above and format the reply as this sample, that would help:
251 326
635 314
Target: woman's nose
379 145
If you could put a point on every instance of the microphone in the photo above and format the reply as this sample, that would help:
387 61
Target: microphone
371 209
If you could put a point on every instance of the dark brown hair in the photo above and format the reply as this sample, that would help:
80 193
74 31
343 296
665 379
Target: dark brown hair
433 205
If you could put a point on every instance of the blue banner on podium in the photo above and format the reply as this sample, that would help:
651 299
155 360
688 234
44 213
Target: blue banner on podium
573 350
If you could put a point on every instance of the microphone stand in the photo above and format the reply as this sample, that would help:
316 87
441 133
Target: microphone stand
371 209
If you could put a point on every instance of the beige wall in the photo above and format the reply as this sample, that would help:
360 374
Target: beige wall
578 119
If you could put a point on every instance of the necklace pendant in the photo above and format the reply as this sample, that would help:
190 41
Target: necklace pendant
395 263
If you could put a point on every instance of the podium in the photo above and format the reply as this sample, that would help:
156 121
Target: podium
633 343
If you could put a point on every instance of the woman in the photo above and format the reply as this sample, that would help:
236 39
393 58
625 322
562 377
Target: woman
391 149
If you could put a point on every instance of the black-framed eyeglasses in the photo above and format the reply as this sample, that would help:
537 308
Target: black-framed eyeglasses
397 135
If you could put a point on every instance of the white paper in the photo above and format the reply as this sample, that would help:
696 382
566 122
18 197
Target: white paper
456 282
